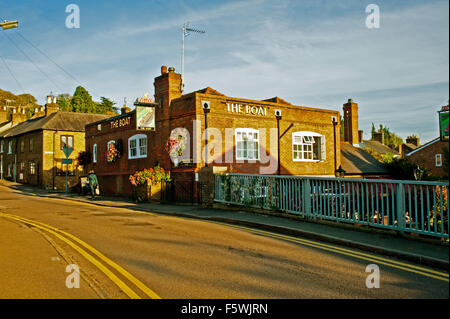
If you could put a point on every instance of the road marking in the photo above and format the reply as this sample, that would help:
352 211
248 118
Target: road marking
58 233
392 263
359 255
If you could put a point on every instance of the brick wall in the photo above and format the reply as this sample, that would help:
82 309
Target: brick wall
178 111
426 157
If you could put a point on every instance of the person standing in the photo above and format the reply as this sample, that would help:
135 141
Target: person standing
93 182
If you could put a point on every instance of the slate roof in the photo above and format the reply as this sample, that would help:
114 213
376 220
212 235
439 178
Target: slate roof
59 121
355 160
277 100
379 147
209 90
424 146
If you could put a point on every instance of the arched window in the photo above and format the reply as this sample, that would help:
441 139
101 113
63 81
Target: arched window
94 153
308 147
110 143
137 146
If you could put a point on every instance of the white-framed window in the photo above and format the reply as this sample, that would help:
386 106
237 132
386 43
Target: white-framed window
9 170
137 146
10 147
247 144
308 147
94 153
438 160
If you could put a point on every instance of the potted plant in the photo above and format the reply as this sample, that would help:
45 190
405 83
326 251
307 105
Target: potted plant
143 181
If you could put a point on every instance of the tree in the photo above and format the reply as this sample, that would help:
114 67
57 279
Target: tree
403 168
63 101
106 106
390 139
81 101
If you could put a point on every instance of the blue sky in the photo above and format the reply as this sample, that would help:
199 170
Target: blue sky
315 53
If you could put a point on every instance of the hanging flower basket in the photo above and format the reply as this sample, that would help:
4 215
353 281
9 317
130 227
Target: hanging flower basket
176 146
142 182
112 154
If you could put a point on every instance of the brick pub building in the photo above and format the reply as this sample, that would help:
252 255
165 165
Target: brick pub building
242 137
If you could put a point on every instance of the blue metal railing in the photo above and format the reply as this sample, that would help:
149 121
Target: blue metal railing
406 206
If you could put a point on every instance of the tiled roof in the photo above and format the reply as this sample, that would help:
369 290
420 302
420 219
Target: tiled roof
355 160
424 146
209 90
277 100
379 147
59 121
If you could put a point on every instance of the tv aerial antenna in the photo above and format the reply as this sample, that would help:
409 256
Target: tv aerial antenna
185 31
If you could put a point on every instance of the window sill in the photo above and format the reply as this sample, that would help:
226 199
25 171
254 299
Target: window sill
307 161
137 157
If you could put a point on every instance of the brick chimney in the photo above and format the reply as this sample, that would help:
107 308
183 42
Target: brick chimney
351 133
51 106
18 116
3 114
414 140
167 87
378 137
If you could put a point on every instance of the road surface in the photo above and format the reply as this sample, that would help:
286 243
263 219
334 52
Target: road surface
125 253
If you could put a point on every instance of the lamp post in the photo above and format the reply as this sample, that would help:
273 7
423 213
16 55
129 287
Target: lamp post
206 109
335 151
340 172
278 117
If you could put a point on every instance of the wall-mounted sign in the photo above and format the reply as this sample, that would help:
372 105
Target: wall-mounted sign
443 125
121 122
145 118
246 109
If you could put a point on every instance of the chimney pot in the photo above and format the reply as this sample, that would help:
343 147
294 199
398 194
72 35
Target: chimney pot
163 69
171 69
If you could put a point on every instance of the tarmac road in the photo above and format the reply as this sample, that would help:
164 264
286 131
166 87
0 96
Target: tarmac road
123 253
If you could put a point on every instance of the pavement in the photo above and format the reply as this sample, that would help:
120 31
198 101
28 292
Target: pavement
418 249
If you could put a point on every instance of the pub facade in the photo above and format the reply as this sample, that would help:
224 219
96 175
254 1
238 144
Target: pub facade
242 137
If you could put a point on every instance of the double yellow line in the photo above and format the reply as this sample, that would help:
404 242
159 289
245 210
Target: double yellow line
87 251
439 275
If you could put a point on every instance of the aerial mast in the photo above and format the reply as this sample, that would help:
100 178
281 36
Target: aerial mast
184 33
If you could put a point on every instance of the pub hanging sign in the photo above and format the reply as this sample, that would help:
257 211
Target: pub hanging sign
145 114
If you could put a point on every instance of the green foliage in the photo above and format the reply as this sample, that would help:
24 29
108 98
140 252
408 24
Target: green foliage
106 106
388 158
12 100
403 169
150 176
63 101
390 139
84 158
445 162
81 101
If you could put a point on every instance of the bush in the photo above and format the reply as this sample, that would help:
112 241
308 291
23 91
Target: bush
84 158
402 168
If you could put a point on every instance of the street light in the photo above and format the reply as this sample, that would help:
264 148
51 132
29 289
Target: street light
9 24
335 123
206 109
340 172
278 117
